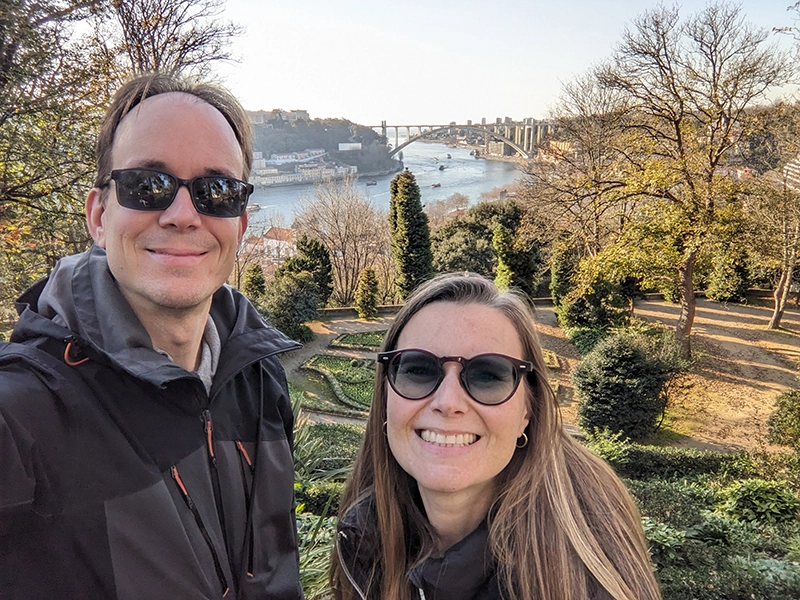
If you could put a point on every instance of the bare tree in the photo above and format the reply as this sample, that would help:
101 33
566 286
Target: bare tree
169 36
687 87
350 227
441 211
576 180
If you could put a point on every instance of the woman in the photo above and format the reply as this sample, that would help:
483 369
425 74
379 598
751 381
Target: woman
466 486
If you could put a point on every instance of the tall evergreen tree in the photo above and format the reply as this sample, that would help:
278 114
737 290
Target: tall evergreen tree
502 242
411 242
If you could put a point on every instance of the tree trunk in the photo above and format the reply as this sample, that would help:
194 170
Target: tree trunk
683 329
784 287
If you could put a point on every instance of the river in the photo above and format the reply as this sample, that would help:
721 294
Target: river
462 173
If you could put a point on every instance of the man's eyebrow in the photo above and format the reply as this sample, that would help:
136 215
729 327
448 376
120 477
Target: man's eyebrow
208 172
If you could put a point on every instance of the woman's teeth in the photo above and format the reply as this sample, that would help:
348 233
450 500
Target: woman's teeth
462 439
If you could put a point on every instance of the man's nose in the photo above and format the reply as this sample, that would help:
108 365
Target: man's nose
181 212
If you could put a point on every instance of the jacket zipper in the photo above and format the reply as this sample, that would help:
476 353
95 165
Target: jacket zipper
190 503
344 566
212 462
246 463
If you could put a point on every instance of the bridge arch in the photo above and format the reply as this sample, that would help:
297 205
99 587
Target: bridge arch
436 130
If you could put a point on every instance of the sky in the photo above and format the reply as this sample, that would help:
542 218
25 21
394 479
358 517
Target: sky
425 62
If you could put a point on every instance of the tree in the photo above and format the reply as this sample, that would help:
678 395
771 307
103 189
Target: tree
367 295
465 243
576 180
774 233
50 104
312 256
166 36
289 302
411 243
502 243
254 286
441 211
687 88
54 85
350 228
773 198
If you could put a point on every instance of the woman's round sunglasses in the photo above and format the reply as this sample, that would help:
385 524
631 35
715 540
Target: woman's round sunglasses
488 378
212 195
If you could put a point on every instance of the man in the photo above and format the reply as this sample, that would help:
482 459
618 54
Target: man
145 425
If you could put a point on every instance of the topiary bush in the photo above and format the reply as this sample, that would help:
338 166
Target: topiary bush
620 387
784 424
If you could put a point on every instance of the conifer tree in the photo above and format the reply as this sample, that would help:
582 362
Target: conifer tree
312 256
367 295
411 244
253 283
502 242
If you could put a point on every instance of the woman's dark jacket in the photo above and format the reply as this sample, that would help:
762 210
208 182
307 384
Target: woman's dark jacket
466 571
120 475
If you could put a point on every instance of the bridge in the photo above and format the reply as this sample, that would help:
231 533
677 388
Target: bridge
521 137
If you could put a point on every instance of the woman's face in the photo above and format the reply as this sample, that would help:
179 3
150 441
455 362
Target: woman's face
448 442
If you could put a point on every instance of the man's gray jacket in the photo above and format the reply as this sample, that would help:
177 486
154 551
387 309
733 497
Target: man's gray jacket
120 475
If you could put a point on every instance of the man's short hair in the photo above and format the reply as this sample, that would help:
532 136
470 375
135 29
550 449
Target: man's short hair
139 89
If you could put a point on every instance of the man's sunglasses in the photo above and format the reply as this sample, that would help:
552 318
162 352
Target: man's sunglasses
215 195
487 378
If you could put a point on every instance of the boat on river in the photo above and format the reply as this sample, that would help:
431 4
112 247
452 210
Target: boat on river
436 185
372 182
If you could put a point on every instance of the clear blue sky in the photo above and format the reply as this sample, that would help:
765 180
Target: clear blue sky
430 61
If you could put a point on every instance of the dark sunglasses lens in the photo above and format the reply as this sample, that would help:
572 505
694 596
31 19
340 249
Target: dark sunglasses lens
220 196
414 375
490 379
141 189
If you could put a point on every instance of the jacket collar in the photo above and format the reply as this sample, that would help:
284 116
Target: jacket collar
81 297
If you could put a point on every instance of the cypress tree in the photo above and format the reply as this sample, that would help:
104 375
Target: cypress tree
411 243
367 295
502 242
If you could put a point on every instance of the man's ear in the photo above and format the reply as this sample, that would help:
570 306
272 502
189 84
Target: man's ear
95 209
242 225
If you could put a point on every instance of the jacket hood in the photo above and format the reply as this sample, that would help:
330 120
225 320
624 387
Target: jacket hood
81 297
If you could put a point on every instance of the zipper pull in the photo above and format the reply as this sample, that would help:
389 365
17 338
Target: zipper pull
209 436
245 455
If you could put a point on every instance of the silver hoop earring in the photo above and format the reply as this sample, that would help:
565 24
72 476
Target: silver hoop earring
525 441
384 429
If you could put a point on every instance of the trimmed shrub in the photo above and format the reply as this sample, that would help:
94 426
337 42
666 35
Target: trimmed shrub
586 338
761 501
320 498
679 504
620 387
665 542
784 424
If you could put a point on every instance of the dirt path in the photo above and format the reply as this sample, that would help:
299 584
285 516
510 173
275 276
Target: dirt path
724 404
741 368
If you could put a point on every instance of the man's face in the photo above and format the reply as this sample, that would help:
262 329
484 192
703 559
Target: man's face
177 258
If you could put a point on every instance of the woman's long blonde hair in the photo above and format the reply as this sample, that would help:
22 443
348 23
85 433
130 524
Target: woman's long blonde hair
562 526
